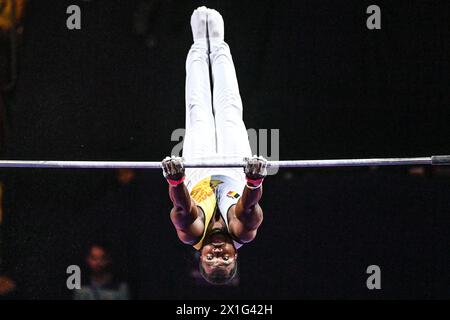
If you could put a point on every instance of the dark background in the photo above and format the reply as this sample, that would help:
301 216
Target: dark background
310 68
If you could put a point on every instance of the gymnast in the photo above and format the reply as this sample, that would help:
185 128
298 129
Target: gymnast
216 210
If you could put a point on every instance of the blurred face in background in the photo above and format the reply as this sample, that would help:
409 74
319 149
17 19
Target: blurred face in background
98 260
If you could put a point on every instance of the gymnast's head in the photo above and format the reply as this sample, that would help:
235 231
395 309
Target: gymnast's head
218 258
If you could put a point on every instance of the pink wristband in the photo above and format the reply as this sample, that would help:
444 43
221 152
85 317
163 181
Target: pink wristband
255 183
176 182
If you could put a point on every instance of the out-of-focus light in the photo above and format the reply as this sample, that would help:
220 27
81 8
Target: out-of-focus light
7 19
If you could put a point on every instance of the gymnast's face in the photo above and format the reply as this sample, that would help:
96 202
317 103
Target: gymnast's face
218 254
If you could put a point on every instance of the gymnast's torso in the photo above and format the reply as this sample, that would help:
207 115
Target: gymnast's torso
214 195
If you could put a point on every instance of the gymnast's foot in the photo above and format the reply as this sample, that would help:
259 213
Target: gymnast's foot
198 25
216 29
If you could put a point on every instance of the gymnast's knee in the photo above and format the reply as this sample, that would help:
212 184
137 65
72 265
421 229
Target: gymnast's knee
229 115
199 116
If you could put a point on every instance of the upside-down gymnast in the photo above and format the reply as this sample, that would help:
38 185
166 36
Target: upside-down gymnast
215 210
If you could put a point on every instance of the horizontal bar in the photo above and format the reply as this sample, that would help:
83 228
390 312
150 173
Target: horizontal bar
434 160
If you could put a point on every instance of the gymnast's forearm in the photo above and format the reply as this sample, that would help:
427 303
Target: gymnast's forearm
250 198
247 209
247 206
181 199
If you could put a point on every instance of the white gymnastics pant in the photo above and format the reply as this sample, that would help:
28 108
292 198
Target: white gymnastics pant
214 127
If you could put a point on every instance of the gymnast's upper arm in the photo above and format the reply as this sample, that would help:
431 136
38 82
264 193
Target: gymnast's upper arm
189 225
246 226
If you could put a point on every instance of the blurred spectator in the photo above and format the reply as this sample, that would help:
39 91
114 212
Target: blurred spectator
103 284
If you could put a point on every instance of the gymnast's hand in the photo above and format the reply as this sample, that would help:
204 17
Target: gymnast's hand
173 170
255 171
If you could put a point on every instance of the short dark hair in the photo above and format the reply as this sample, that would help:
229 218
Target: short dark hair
218 276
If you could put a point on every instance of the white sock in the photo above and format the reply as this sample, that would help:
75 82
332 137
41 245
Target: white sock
216 29
198 25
